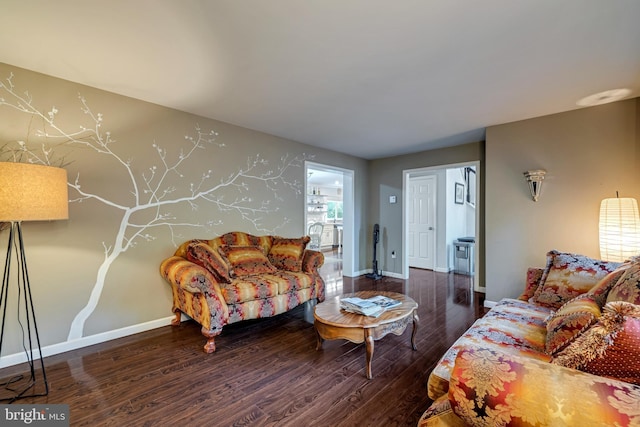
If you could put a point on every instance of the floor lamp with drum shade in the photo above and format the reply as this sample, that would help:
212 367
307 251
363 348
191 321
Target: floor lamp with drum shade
619 228
28 192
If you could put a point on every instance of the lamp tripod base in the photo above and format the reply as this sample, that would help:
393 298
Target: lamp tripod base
22 385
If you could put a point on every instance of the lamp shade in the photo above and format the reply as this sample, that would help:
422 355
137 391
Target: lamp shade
619 229
31 192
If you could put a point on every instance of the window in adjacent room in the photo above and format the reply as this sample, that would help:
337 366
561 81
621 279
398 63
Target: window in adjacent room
334 211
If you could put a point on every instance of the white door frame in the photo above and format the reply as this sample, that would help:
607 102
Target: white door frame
408 173
348 213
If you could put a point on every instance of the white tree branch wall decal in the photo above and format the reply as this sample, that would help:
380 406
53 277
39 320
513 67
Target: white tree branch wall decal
154 191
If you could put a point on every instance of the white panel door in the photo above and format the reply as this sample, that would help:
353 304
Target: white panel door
422 217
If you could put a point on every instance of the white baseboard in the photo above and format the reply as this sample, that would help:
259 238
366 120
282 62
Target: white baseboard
382 272
50 350
391 274
360 273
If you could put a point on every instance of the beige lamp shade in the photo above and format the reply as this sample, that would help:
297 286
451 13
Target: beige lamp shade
619 229
31 192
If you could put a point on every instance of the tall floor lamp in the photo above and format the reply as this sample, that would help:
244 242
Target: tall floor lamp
619 227
28 192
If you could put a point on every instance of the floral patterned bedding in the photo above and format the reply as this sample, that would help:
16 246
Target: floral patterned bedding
565 353
513 326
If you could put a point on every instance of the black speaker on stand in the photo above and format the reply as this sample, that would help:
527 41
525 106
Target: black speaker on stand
375 275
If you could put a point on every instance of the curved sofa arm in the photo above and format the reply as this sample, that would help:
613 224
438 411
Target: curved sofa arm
186 275
489 387
312 261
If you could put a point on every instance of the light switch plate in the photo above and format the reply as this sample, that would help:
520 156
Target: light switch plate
392 199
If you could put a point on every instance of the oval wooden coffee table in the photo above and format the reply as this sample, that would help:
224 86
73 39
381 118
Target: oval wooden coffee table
332 323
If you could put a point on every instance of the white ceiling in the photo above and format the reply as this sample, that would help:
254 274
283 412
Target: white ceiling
324 178
371 78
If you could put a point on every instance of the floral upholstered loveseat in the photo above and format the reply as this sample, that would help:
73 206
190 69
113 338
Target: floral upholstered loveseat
238 276
565 353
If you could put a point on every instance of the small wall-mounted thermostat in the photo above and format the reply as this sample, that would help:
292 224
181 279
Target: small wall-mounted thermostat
392 199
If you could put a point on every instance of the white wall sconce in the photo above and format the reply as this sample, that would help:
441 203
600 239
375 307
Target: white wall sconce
619 229
535 178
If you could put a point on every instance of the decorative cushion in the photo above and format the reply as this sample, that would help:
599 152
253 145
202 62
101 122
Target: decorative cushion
568 275
246 260
628 287
533 281
202 254
611 348
601 290
181 251
573 318
440 414
286 254
239 238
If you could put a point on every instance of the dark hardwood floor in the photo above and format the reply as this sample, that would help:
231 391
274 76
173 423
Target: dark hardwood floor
266 372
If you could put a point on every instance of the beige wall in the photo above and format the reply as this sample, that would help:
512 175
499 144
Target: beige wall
589 154
387 179
67 258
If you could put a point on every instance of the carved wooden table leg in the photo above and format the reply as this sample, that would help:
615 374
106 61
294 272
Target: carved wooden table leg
369 343
332 322
415 328
320 340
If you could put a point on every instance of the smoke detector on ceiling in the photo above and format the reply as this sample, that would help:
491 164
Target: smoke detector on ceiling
604 97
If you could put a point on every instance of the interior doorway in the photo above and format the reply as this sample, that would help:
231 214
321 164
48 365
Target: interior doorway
451 209
421 196
329 207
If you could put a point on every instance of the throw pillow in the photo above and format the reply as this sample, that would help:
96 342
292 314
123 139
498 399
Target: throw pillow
239 238
204 255
602 289
571 320
610 348
246 260
569 275
533 281
286 254
628 287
